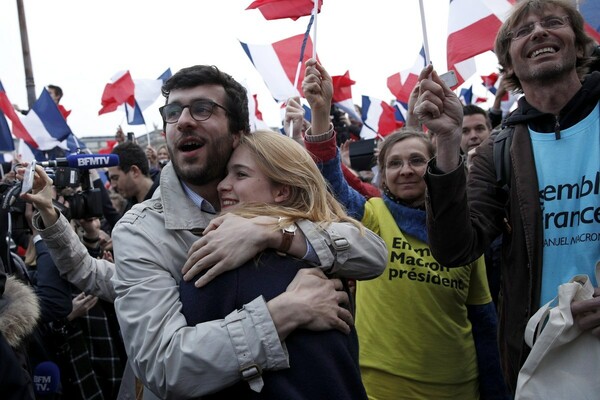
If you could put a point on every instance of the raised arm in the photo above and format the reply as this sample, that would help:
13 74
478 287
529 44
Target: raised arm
71 257
439 109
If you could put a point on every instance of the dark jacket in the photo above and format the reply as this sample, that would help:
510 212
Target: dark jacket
483 219
323 364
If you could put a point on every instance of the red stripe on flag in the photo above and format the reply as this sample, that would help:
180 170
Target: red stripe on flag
475 39
288 52
18 129
277 9
387 120
399 90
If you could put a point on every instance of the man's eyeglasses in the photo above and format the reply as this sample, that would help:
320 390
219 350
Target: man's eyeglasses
414 162
200 110
550 23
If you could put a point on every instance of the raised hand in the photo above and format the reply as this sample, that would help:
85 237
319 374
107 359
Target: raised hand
438 108
318 90
294 112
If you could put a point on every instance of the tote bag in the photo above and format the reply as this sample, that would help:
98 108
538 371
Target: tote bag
564 362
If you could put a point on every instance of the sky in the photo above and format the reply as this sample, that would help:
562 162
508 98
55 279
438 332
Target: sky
81 45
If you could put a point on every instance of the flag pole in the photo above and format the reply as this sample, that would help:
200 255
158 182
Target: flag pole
424 28
315 12
313 18
291 132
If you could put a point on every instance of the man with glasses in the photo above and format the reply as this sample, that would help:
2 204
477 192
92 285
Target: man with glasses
206 113
548 212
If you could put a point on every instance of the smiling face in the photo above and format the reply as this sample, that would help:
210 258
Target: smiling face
199 150
405 166
246 182
545 55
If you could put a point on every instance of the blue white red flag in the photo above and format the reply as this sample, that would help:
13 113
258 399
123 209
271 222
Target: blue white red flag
256 120
256 117
121 90
277 63
18 129
146 92
6 141
490 81
134 114
472 29
277 9
402 83
466 95
378 118
45 124
400 112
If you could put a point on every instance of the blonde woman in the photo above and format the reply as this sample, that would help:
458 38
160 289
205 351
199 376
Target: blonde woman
270 174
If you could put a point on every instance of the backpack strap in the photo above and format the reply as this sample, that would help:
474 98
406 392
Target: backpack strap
502 164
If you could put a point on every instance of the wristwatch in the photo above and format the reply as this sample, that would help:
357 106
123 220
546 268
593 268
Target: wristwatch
287 236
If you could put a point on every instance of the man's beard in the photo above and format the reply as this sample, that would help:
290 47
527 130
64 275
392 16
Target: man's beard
552 73
215 165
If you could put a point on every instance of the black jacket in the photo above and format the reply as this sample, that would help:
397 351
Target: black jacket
323 365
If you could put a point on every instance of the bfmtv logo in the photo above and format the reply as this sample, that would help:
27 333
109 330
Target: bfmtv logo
46 378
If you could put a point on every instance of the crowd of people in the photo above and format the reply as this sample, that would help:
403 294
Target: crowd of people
235 264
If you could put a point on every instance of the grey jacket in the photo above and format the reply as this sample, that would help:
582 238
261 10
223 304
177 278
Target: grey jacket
176 361
88 274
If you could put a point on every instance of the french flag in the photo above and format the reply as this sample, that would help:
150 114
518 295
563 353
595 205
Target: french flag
277 63
489 81
121 90
146 92
378 118
18 129
255 116
472 29
46 125
277 9
342 94
400 112
466 95
402 83
7 145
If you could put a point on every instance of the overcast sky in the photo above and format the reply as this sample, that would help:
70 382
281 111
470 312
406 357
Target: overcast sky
80 45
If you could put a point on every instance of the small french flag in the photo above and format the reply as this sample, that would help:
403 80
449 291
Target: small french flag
277 63
378 118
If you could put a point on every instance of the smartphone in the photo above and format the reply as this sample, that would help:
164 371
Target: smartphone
130 136
449 78
27 184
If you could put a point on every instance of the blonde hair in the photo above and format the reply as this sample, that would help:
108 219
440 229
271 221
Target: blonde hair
286 162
